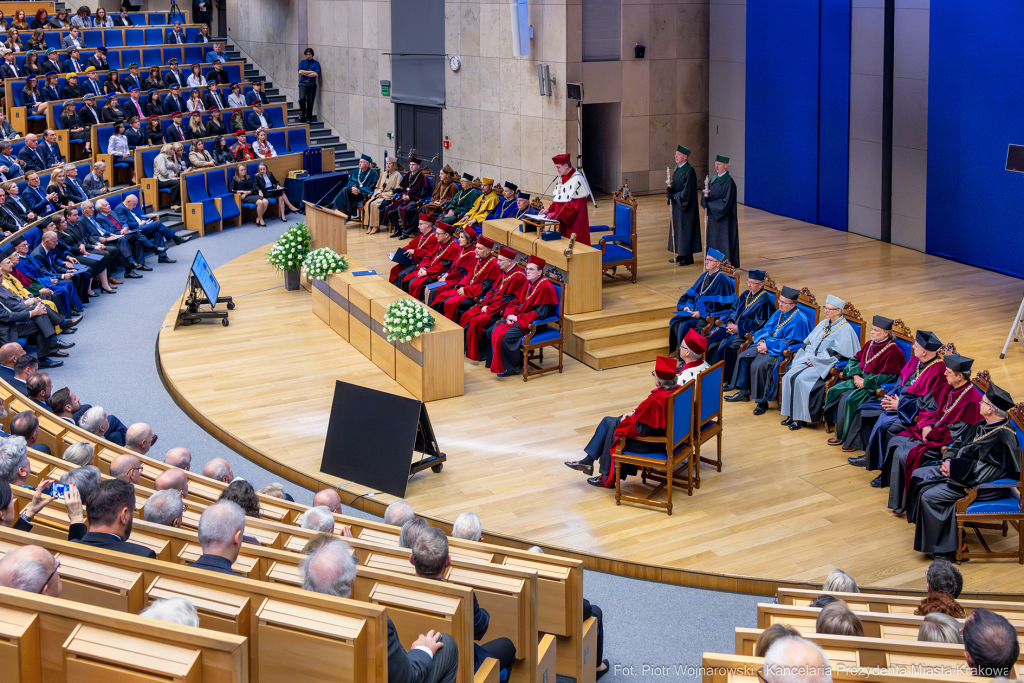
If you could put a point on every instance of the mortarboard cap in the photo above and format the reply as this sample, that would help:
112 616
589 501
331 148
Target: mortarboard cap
366 157
467 176
957 363
722 158
715 254
524 195
487 242
507 253
665 368
696 342
683 150
927 340
790 293
448 169
998 397
758 275
560 159
882 323
511 186
833 300
486 181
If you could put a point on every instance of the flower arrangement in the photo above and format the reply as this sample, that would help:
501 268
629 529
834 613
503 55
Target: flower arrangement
291 248
405 319
320 263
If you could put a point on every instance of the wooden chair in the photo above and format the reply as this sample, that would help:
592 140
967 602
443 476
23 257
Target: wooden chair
534 342
769 285
620 248
895 604
708 414
994 514
679 451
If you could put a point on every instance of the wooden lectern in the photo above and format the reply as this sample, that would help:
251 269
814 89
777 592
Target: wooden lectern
327 228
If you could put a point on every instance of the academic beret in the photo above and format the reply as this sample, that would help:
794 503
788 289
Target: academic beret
524 195
445 227
758 275
153 90
696 342
468 229
133 88
90 96
537 261
487 242
30 52
175 113
927 340
487 181
111 71
833 300
215 61
232 86
511 186
412 159
957 363
50 51
665 368
366 157
101 49
506 252
89 68
722 158
683 150
30 77
213 108
448 169
467 176
52 73
790 293
715 254
70 74
175 86
428 217
998 397
133 65
882 323
560 159
172 60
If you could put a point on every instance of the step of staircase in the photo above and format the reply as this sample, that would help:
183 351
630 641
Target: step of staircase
617 335
627 353
631 328
639 313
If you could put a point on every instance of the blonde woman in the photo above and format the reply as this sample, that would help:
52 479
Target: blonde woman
166 170
198 157
196 129
262 147
387 184
14 41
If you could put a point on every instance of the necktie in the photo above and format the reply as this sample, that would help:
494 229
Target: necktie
138 109
182 135
113 220
36 152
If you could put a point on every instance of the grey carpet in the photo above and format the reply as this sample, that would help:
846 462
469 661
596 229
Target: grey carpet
113 365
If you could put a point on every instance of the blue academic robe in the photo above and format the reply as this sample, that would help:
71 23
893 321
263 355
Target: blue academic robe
710 295
64 290
749 313
789 335
506 208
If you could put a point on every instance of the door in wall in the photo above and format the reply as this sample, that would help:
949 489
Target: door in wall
419 128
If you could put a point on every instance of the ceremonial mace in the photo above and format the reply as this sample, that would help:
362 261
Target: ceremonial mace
707 208
668 200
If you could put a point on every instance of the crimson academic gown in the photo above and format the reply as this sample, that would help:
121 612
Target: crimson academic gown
403 211
456 274
439 263
475 321
572 215
417 249
649 419
484 274
877 364
539 300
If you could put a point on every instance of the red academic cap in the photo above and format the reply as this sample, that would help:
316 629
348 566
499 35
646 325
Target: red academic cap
538 261
696 342
445 227
507 253
468 229
428 217
560 159
665 368
486 241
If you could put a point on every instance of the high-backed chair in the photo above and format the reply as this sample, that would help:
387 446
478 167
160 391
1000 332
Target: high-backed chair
662 468
620 248
770 288
708 422
200 209
297 140
534 342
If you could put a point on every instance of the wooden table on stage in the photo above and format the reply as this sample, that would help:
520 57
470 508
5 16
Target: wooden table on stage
326 227
429 367
581 273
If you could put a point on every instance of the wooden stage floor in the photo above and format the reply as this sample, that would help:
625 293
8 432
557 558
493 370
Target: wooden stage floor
787 508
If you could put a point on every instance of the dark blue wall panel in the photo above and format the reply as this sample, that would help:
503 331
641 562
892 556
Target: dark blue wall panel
782 107
834 114
975 108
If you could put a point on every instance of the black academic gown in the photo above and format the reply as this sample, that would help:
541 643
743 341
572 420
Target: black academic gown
750 313
682 197
723 223
982 454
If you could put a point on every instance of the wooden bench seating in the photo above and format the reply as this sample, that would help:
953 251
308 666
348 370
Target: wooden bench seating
895 604
725 668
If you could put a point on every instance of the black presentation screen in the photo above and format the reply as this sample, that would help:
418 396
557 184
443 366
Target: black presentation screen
201 269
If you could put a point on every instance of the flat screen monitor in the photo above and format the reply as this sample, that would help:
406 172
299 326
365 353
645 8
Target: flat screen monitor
205 277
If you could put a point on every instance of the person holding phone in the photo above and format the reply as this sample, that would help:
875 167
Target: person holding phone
44 493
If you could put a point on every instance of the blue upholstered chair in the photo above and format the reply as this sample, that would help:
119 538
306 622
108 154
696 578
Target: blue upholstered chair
996 514
708 422
534 342
619 248
200 209
663 469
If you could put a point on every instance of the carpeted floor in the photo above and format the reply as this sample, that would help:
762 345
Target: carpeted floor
653 631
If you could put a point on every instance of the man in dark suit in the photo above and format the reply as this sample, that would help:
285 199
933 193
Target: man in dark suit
135 135
221 528
111 510
133 105
74 63
50 148
39 202
256 94
123 19
132 78
172 75
175 132
91 85
213 98
218 75
9 69
49 262
128 246
140 244
130 216
32 155
257 118
433 658
174 102
98 59
18 319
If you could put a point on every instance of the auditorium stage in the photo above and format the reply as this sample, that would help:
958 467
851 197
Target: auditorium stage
785 509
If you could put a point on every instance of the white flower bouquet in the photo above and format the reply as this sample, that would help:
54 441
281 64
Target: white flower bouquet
320 263
407 318
291 248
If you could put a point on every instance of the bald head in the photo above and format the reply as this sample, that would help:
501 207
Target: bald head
792 659
9 353
330 499
30 568
179 457
172 479
139 438
219 469
126 468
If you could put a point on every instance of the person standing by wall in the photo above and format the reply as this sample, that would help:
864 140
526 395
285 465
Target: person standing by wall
309 71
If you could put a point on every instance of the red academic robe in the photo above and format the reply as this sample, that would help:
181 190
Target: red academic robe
572 216
475 320
458 272
539 293
417 248
484 274
440 262
653 412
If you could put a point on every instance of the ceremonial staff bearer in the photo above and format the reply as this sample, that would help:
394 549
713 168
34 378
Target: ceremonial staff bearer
719 198
684 239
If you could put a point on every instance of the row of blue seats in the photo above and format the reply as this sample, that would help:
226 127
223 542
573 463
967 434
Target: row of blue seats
105 131
233 70
138 18
289 141
118 37
34 235
146 57
44 176
58 107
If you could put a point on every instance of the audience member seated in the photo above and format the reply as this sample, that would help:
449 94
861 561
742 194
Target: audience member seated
9 355
468 527
31 569
140 438
221 528
274 489
94 183
939 627
398 513
179 457
111 511
26 425
126 467
244 495
317 541
33 320
318 518
330 499
839 581
80 454
990 643
23 522
38 387
24 367
433 658
94 421
84 479
770 635
241 183
713 294
164 507
943 579
198 157
15 467
174 611
792 659
172 479
257 120
166 170
822 601
411 531
267 186
219 469
538 301
836 619
130 215
256 94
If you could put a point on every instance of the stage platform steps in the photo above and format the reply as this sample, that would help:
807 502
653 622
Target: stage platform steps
631 328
